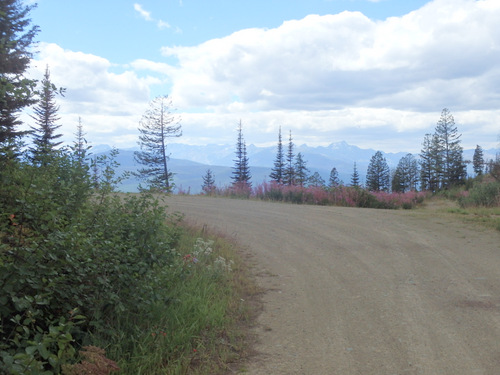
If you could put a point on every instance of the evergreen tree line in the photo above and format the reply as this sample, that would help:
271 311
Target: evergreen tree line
440 165
289 169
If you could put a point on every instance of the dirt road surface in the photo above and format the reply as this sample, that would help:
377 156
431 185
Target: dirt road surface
361 291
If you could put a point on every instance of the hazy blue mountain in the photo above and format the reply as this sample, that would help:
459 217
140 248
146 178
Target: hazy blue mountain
189 162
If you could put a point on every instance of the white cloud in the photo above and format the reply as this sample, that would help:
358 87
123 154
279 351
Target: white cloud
143 13
142 64
343 77
443 55
110 104
321 62
163 25
146 15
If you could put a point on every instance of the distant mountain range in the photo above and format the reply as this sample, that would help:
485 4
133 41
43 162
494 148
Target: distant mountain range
189 163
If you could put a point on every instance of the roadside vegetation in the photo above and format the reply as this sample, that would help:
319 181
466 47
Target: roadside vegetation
476 201
92 281
347 196
479 203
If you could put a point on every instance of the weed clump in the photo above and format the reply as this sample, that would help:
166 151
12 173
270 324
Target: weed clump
485 194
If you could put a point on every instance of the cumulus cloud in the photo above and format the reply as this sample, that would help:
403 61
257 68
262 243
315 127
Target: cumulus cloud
340 77
110 104
347 59
444 54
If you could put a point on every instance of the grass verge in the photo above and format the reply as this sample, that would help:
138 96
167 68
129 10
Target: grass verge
488 217
203 325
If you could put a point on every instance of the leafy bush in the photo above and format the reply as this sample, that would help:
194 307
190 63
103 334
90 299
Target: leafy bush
485 194
406 200
75 260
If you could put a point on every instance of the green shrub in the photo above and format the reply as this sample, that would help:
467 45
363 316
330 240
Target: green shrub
75 260
486 194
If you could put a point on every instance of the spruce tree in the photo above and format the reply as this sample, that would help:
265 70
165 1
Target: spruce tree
334 180
45 114
241 170
208 186
157 124
450 150
279 163
406 175
378 173
79 146
289 172
430 163
397 185
411 172
478 161
16 91
355 177
425 163
301 171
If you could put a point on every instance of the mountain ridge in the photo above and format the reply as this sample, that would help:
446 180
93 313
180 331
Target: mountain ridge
190 162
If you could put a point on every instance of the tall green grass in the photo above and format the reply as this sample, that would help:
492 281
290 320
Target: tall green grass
195 328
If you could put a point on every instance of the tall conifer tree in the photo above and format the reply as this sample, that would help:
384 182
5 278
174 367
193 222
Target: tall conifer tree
451 152
208 186
156 126
289 172
378 173
478 161
355 177
316 180
16 91
279 163
80 147
241 170
406 175
301 170
334 180
430 163
46 116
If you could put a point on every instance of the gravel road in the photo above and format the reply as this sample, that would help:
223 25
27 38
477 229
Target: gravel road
361 291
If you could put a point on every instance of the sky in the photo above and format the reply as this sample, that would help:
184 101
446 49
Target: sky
373 73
